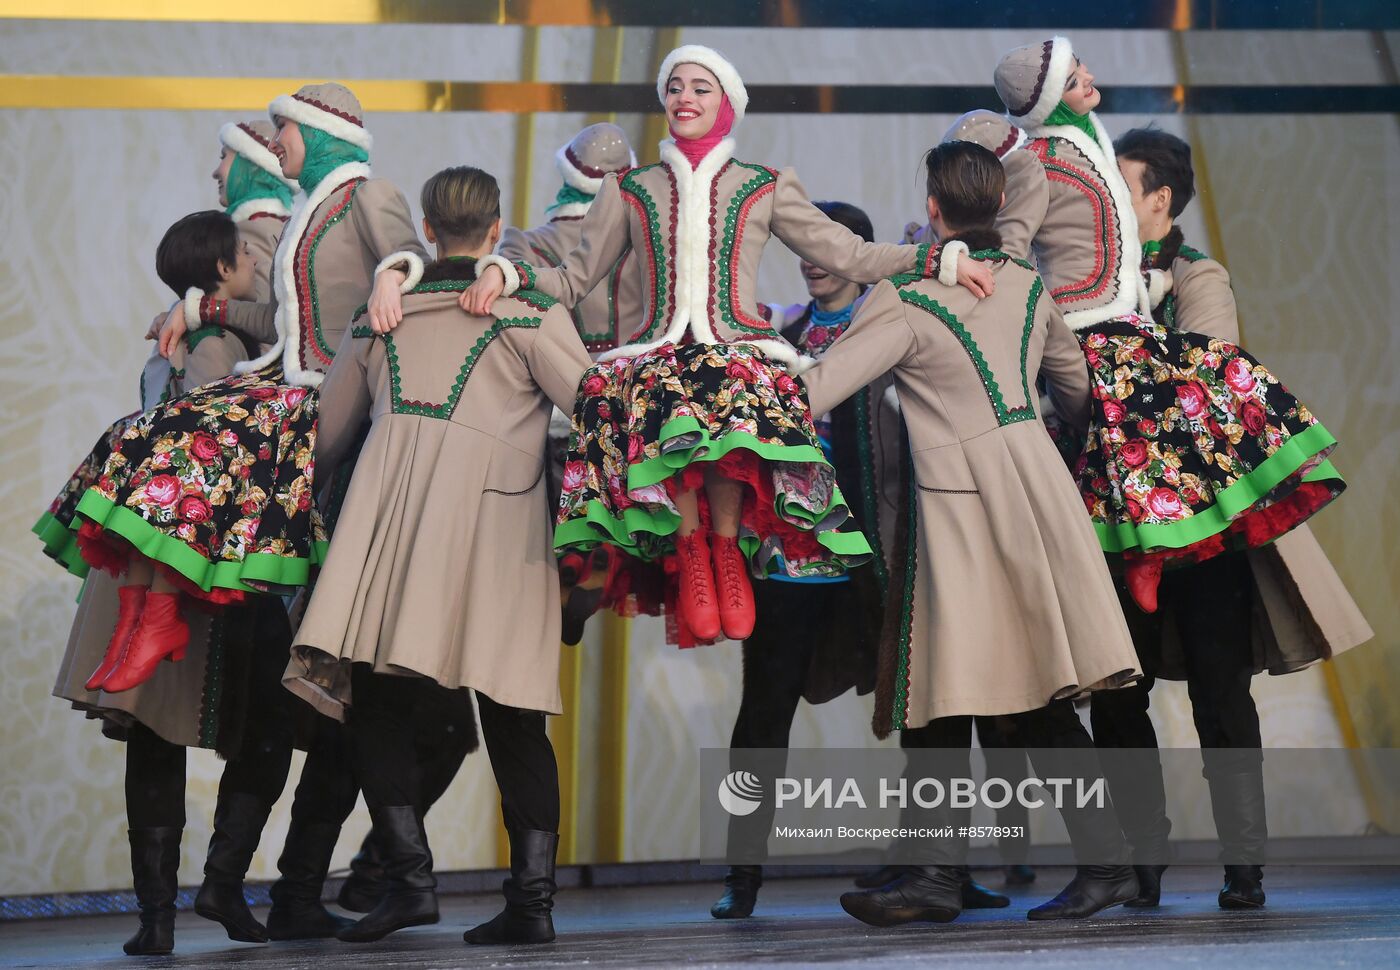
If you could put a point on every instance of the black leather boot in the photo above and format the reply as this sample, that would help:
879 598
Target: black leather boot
238 823
977 896
155 862
297 911
1149 887
740 893
876 878
366 885
1092 889
1237 802
410 899
529 892
928 894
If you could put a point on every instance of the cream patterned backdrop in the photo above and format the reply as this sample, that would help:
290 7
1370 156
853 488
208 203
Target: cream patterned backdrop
1306 209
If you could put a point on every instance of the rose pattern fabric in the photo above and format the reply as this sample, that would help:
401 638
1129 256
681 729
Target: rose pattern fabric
641 425
228 470
1177 418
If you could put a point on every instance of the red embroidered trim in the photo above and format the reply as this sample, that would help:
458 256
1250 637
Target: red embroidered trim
301 269
714 245
1047 48
930 267
255 136
1098 281
733 295
590 171
329 110
1010 142
267 215
675 222
641 211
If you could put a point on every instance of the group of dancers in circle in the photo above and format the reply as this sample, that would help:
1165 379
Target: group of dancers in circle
342 488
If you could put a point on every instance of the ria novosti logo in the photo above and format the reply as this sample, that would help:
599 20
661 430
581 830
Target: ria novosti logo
740 793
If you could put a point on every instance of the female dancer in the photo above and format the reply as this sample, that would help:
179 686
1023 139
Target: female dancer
1192 442
690 441
214 490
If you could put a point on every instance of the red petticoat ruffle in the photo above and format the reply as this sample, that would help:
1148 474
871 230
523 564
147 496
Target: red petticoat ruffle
112 554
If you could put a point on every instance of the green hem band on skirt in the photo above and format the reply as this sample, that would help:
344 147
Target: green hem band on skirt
265 569
1230 502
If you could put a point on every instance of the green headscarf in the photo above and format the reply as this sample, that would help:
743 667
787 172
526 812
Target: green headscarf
1065 115
246 182
324 153
567 195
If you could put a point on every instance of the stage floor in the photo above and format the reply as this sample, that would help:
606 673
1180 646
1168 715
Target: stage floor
1315 918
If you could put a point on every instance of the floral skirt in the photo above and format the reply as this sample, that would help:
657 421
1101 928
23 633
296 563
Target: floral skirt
1194 447
215 486
645 428
55 526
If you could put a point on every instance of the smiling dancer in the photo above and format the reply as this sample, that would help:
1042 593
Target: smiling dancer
1194 447
691 442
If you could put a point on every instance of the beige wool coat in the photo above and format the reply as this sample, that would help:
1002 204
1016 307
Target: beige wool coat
1006 601
698 236
180 702
1302 611
441 563
607 315
338 237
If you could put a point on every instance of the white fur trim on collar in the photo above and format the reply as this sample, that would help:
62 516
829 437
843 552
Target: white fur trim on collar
948 256
692 234
1156 287
712 61
286 106
235 139
254 207
288 344
395 261
1053 90
1132 290
507 269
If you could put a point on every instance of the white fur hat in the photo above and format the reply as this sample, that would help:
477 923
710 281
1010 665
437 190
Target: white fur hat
712 61
1031 80
253 140
331 107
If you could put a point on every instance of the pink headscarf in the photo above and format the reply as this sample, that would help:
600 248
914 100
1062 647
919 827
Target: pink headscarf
696 149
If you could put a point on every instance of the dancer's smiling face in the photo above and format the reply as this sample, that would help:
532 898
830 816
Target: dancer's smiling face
289 148
1080 93
221 174
693 99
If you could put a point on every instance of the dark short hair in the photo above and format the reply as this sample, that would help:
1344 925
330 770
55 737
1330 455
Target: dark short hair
190 250
1166 160
967 181
461 204
849 216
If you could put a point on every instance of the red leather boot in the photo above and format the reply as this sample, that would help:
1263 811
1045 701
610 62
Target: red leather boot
736 611
161 633
697 581
1142 577
130 600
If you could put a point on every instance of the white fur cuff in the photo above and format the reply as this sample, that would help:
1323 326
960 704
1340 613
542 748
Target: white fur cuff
410 263
1156 287
507 269
193 296
948 257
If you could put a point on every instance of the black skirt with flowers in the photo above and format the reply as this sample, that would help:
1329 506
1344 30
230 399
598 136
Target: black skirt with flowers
215 486
1194 446
55 527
